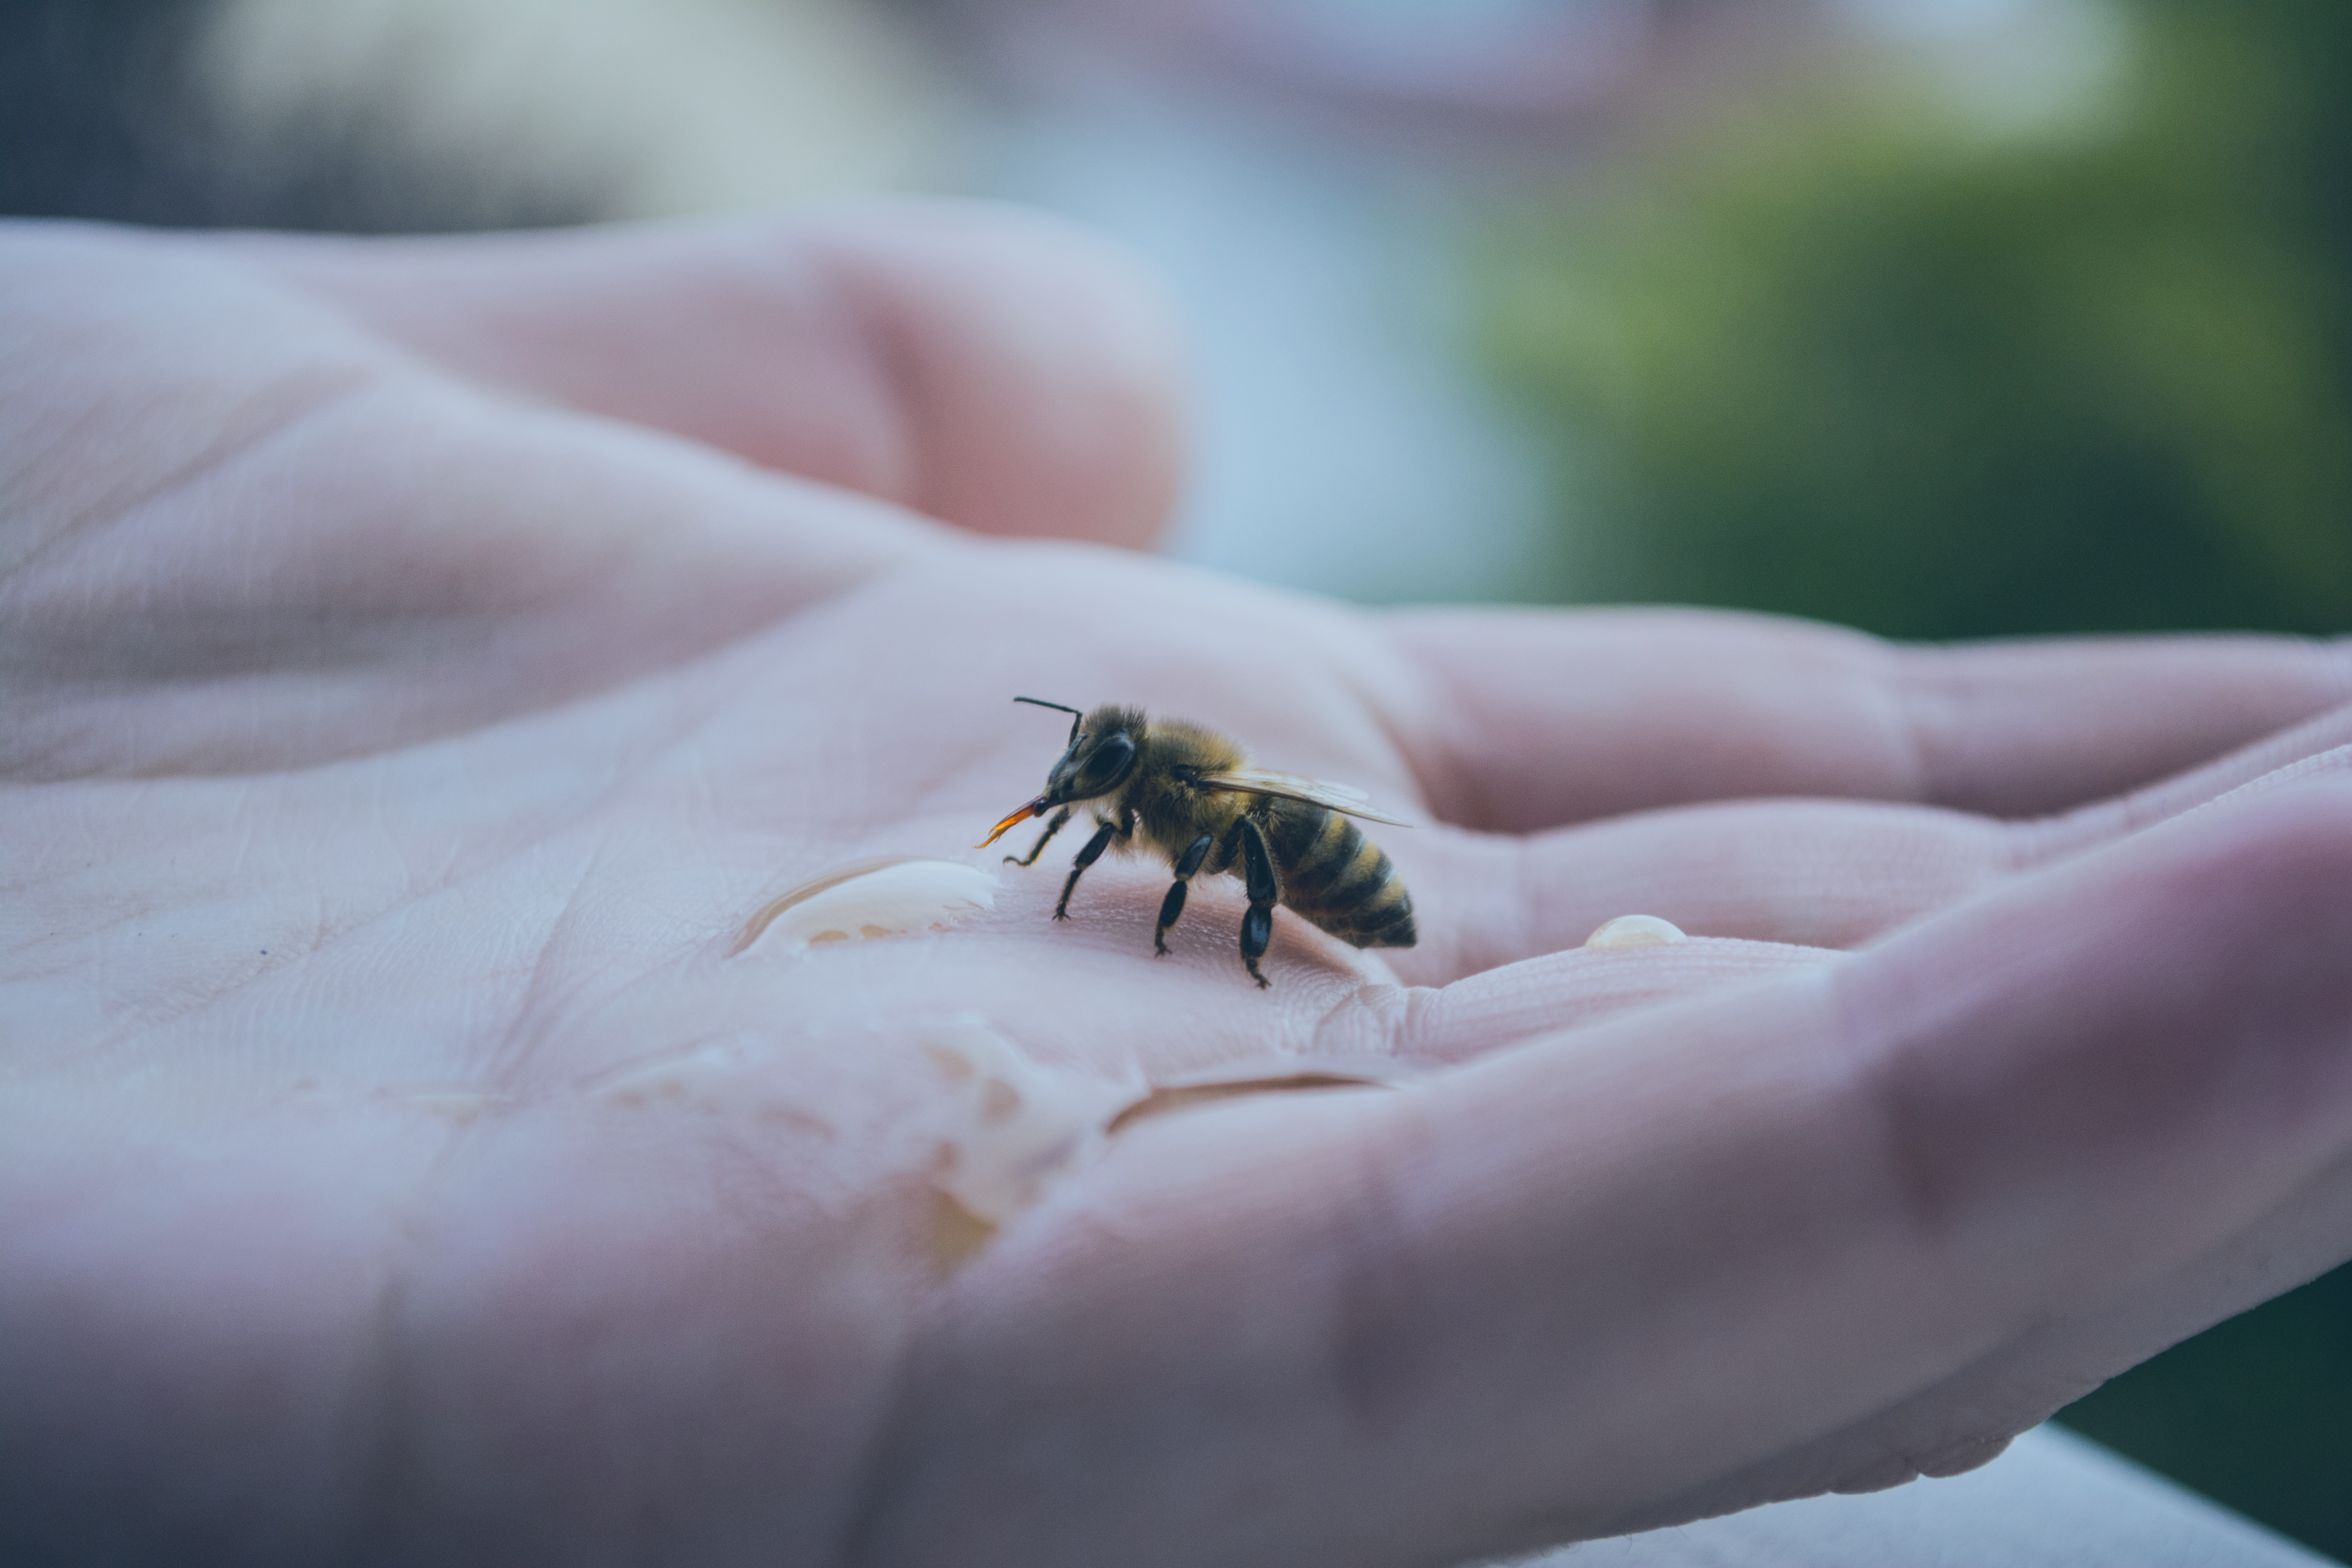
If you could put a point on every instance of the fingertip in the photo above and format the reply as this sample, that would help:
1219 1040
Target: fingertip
1039 364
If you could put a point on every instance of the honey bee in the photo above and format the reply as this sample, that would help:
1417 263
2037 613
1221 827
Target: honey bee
1189 793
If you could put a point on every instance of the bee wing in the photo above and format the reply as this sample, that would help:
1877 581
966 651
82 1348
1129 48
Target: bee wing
1290 786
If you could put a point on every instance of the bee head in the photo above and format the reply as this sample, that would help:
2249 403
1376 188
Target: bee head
1100 756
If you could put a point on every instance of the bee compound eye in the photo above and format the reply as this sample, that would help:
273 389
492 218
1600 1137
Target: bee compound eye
1110 762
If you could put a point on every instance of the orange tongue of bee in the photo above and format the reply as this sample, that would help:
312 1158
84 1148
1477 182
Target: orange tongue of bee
1035 808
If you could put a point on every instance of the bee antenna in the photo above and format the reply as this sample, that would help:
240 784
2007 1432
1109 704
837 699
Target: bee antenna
1075 714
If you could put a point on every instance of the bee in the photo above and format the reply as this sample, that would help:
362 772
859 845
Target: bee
1189 793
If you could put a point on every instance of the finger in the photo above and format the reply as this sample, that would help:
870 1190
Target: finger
2321 749
1822 874
1530 720
290 546
1504 1005
1560 1285
995 369
1814 874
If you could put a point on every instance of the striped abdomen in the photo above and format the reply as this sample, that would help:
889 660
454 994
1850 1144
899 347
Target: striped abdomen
1337 878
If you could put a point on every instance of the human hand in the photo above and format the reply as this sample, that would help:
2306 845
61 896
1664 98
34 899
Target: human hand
407 702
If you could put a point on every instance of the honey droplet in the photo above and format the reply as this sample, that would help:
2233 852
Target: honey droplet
1636 931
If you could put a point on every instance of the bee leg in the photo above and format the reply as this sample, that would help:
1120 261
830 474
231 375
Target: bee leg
1173 904
1257 925
1060 817
1087 856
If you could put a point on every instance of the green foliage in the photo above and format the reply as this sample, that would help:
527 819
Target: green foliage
1851 352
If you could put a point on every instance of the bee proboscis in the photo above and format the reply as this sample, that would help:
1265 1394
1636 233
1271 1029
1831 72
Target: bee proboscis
1189 794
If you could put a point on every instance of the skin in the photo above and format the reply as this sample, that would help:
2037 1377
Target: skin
416 658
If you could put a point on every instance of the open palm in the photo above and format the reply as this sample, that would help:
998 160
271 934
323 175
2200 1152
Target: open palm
418 661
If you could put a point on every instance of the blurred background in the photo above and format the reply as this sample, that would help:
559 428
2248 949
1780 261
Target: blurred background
1939 318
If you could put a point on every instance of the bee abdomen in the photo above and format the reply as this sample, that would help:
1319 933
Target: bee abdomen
1340 879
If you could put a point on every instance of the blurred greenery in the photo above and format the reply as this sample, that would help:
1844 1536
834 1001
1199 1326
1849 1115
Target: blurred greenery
2253 1412
1869 348
1854 349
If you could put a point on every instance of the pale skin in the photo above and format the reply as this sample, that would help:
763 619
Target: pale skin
416 660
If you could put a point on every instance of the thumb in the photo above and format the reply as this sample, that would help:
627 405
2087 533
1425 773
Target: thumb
997 369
